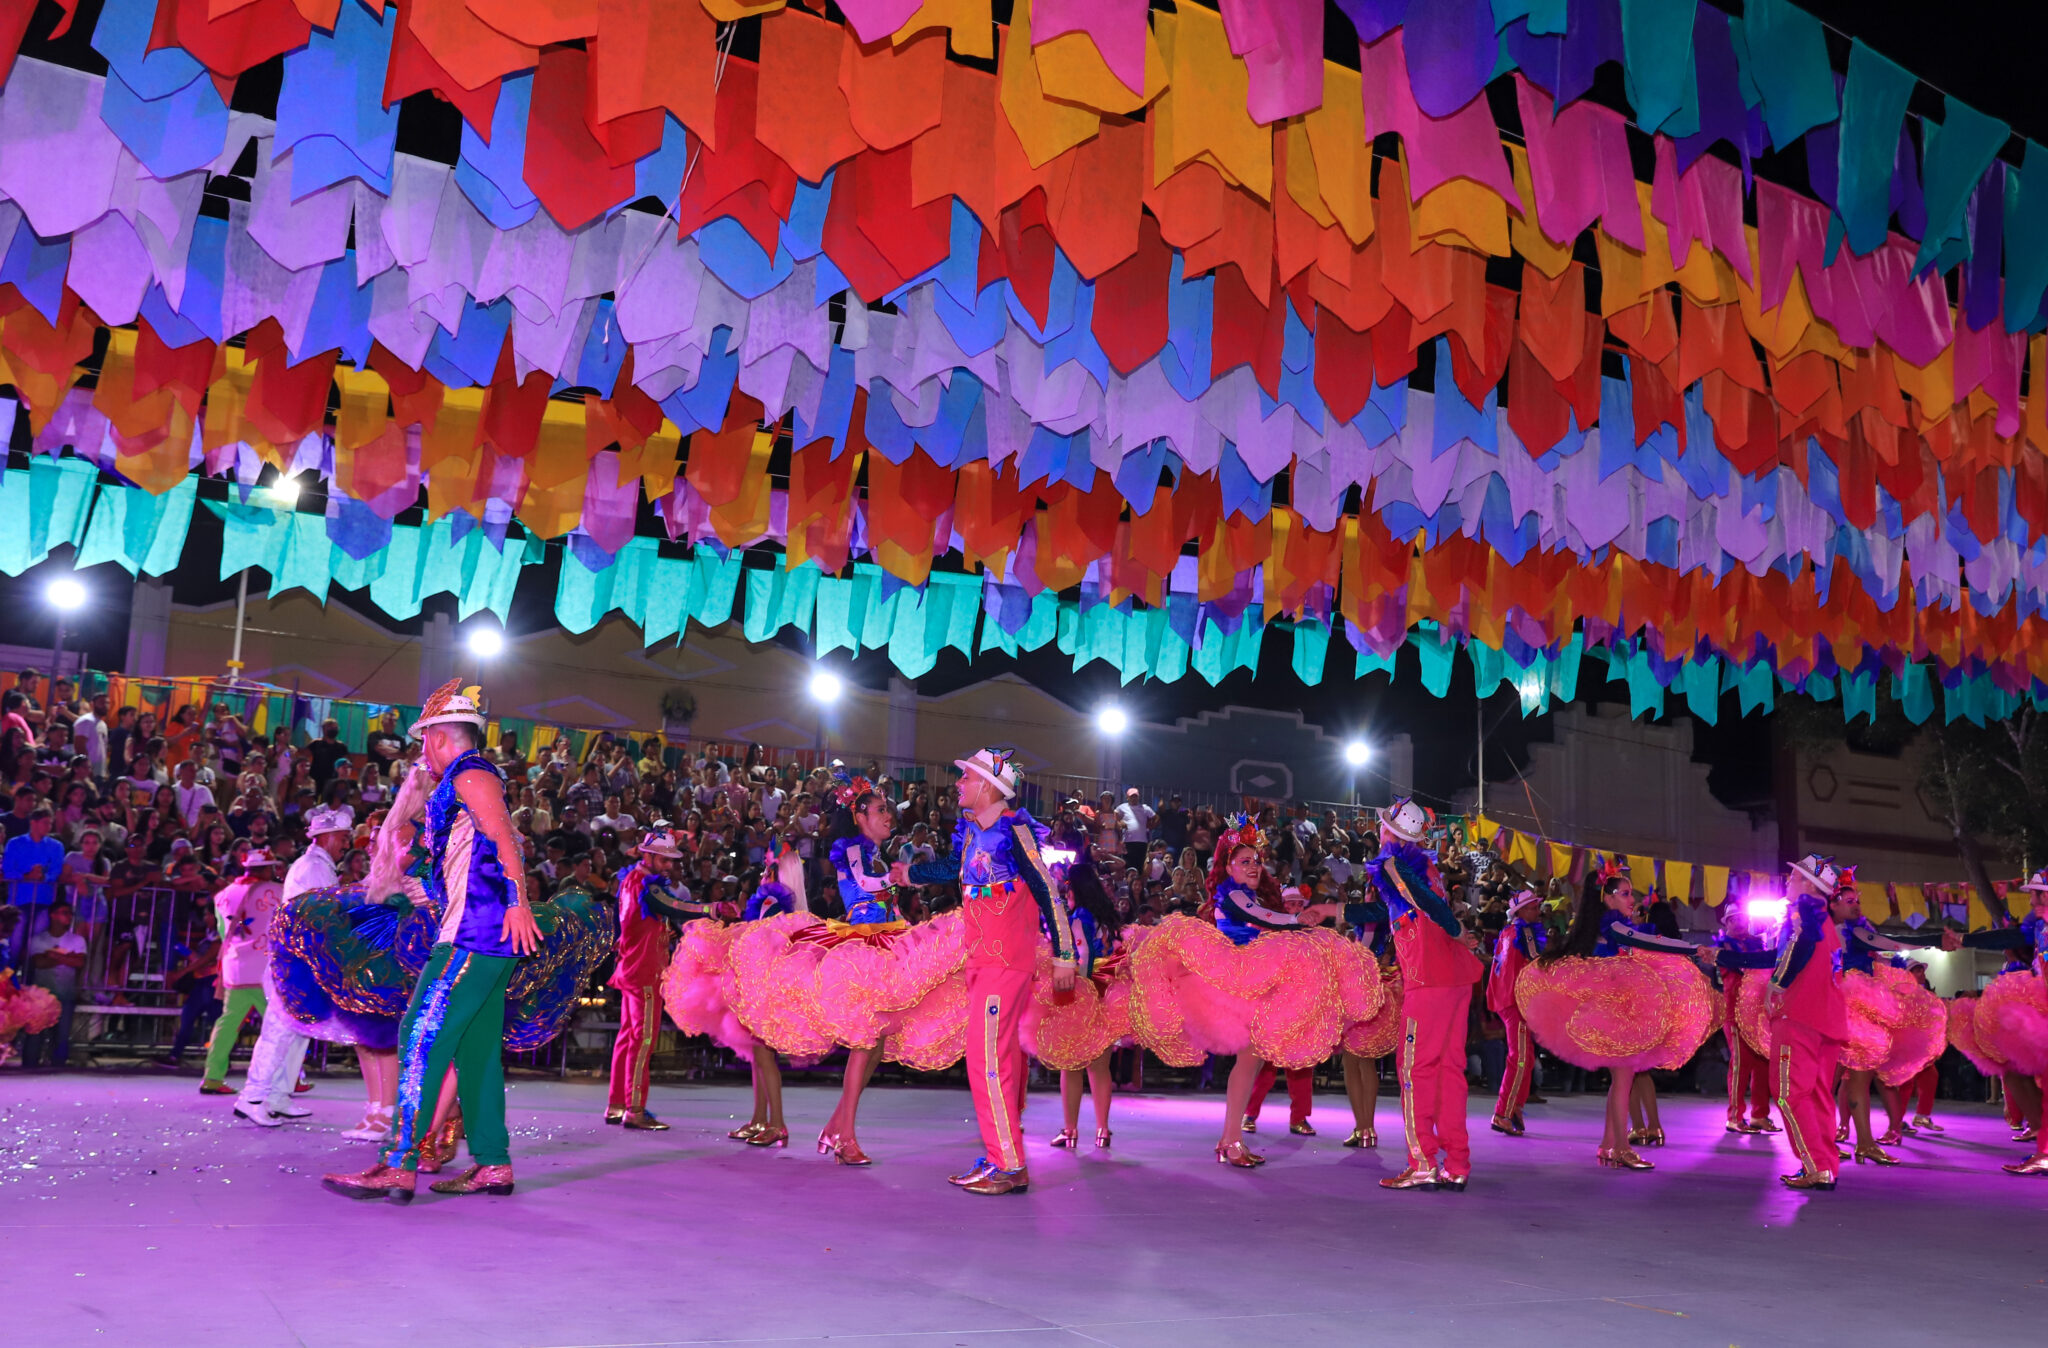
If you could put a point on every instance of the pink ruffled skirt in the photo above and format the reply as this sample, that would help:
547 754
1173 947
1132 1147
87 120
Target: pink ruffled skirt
1896 1027
1067 1036
906 993
693 986
1962 1034
1750 1020
770 982
2012 1022
1286 997
1635 1010
26 1009
1381 1034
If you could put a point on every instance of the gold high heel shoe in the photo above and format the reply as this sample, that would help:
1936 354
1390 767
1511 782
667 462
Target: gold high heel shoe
1102 1136
439 1146
848 1152
1622 1158
1065 1139
1875 1154
747 1130
1653 1137
827 1142
770 1137
1238 1155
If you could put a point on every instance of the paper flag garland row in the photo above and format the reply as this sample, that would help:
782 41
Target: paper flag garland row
56 502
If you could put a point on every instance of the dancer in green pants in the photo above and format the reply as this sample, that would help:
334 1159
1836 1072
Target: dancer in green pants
244 910
457 1013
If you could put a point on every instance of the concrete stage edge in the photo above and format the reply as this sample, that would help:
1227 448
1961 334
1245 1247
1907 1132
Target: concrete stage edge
135 1212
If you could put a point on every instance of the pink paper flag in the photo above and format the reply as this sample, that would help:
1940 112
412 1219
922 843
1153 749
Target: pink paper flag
1990 358
1701 205
1116 27
1465 144
1791 236
608 504
873 20
1579 165
1281 42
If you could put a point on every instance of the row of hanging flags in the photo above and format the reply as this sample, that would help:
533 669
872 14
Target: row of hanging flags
1059 297
1538 858
264 709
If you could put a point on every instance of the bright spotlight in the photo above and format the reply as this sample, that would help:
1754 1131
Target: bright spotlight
485 642
1356 752
826 687
283 492
1112 721
66 594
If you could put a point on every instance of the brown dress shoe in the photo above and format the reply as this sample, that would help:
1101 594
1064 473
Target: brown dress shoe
379 1181
996 1181
1414 1177
643 1122
478 1179
969 1176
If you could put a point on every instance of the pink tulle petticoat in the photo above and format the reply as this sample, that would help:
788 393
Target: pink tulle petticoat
1896 1027
770 982
906 992
2012 1022
1285 997
1635 1010
1962 1034
1068 1036
26 1010
1381 1034
1750 1019
692 987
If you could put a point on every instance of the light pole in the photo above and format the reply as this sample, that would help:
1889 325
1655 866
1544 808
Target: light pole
486 643
1111 721
825 689
283 494
66 595
1356 753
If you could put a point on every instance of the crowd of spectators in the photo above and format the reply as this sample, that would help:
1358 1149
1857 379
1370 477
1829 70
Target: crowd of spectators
112 811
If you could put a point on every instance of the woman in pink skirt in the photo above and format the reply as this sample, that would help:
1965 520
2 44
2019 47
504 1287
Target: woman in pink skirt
1615 995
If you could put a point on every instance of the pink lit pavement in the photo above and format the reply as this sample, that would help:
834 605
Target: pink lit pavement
134 1212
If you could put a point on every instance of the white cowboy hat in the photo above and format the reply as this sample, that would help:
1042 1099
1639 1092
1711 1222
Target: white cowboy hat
1819 870
1406 820
256 858
2038 881
992 766
451 704
340 820
657 842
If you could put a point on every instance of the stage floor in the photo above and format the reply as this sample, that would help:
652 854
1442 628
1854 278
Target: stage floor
134 1211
